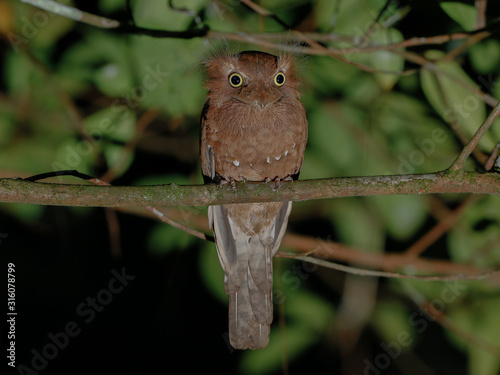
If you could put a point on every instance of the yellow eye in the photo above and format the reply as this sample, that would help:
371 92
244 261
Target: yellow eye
235 80
279 79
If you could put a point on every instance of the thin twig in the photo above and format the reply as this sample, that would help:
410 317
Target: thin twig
375 22
439 229
481 13
467 150
73 13
315 45
431 66
493 157
439 316
454 123
470 41
383 261
114 232
393 275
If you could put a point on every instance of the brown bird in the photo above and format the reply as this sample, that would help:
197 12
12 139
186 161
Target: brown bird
253 128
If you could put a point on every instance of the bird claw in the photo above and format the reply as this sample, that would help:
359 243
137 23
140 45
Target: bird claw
231 181
277 181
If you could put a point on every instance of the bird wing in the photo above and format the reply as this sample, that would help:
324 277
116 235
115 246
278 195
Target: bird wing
206 150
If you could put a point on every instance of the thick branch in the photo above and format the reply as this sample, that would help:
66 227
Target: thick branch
23 191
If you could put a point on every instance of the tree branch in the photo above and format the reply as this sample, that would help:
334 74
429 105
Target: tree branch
467 150
23 191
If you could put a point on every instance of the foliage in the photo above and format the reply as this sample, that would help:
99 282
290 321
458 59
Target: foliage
127 107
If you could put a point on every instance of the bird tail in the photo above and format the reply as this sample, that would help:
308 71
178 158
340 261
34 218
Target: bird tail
247 237
250 316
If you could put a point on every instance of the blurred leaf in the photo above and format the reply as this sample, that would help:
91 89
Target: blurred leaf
481 321
114 79
109 123
387 60
485 56
393 323
101 58
463 14
416 141
308 318
356 16
362 90
170 81
330 139
118 158
211 271
453 102
109 6
19 74
330 75
158 14
476 237
165 238
73 154
403 215
7 125
351 218
29 213
324 14
282 4
28 155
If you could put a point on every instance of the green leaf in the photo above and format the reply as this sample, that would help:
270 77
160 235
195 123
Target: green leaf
19 73
308 317
118 158
211 271
481 321
347 212
387 60
165 238
485 56
455 104
74 154
403 215
463 14
117 124
332 142
30 213
415 139
392 321
330 75
109 6
324 13
477 231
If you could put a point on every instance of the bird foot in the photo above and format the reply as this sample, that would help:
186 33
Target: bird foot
231 181
277 181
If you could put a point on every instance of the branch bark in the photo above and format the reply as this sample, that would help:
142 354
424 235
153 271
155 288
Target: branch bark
23 191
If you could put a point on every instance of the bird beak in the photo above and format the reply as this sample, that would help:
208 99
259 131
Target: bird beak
262 100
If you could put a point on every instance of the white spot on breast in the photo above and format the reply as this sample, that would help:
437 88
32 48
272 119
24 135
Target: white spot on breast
268 160
277 158
286 152
251 165
294 145
236 163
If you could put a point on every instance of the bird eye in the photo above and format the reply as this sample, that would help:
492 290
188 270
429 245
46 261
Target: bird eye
279 79
235 80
